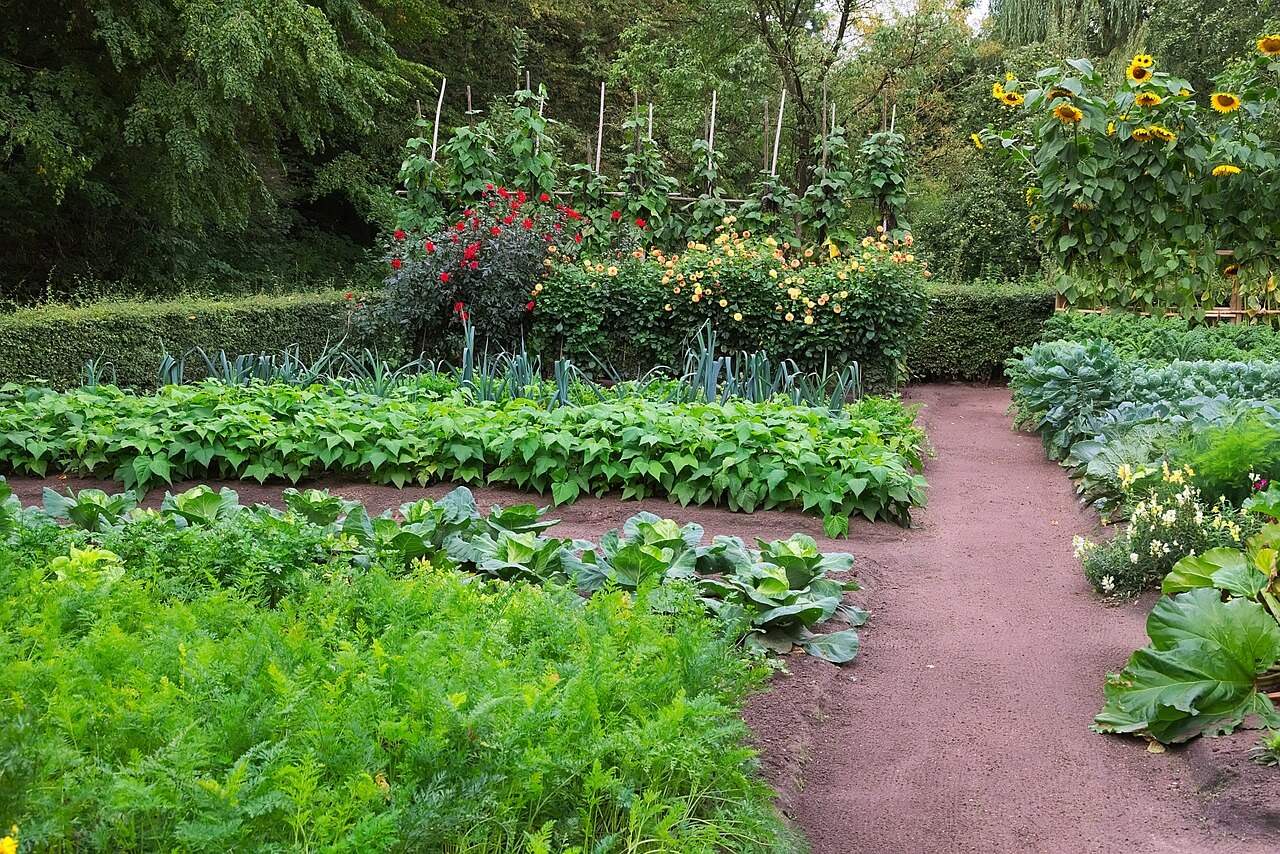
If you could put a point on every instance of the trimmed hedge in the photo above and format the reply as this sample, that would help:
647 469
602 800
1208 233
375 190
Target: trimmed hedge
971 329
52 343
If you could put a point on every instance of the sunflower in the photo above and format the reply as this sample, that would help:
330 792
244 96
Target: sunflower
1138 73
1067 114
1012 99
977 141
1270 45
1231 271
1144 60
1140 135
1148 99
997 91
1059 92
1162 133
1225 170
1224 102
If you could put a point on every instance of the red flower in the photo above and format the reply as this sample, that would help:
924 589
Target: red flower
572 214
488 187
431 247
544 198
615 216
460 226
444 277
577 238
399 234
495 231
465 316
457 307
508 219
349 295
502 191
529 306
395 263
640 223
470 252
528 223
475 265
468 212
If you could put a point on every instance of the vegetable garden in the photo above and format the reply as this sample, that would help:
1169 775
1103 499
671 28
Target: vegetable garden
251 599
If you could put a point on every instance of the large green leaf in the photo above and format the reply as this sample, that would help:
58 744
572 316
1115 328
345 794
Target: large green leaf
837 647
1198 675
1197 571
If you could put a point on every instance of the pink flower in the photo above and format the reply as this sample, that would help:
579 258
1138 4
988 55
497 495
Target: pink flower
1260 484
529 306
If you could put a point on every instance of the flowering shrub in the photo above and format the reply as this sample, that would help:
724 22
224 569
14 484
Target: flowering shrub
481 269
1169 521
818 306
1133 189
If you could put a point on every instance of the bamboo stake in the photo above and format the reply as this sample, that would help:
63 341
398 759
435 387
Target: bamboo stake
600 128
824 124
651 121
777 136
527 84
435 132
469 104
419 108
767 125
711 134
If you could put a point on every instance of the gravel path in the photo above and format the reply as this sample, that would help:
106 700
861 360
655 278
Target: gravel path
963 724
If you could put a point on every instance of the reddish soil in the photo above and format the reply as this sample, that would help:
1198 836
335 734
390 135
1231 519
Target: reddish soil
963 724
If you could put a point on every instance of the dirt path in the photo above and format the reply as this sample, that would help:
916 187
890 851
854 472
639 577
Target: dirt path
963 725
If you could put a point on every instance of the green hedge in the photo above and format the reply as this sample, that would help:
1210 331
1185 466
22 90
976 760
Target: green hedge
971 329
53 343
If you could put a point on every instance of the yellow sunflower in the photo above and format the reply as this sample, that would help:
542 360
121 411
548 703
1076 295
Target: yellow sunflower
1059 92
1140 135
1067 114
1270 45
1162 133
1148 99
1225 170
1224 102
1144 60
997 91
977 141
1012 99
1231 271
1138 73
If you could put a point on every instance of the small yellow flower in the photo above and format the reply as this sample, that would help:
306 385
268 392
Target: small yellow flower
836 309
9 845
1270 45
1008 77
1225 170
1111 128
789 317
977 141
667 307
696 297
773 274
997 91
1144 60
1224 102
808 320
737 315
723 303
1147 99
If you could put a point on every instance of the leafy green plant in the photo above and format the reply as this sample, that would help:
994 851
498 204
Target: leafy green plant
1267 750
745 456
89 509
200 505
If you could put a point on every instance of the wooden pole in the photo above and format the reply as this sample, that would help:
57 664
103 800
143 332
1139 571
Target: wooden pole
711 134
635 106
419 108
777 136
469 110
651 121
767 125
435 132
600 128
528 87
824 124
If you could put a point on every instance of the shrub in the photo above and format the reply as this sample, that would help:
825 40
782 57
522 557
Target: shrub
743 455
53 343
814 306
1229 460
972 329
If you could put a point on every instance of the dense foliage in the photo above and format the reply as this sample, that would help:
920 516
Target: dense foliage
826 307
745 456
211 675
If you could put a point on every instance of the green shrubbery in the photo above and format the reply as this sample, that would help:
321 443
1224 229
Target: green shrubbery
214 677
1161 340
861 305
743 455
972 329
53 343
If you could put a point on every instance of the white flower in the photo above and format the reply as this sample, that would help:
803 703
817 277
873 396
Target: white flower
1133 557
1170 516
1107 583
